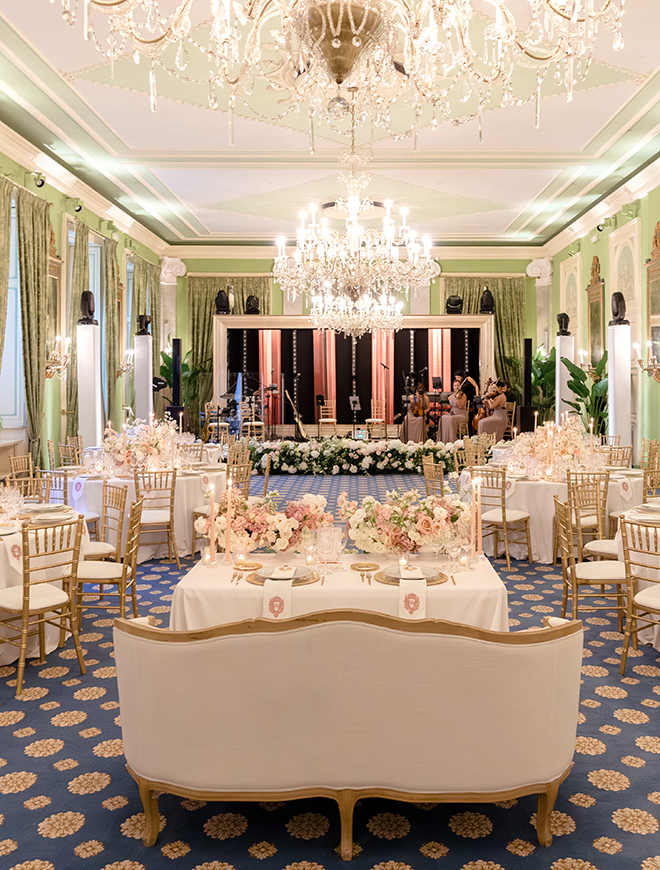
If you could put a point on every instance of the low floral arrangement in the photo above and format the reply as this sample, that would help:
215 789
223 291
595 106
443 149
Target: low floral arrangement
257 522
345 456
140 444
405 522
551 450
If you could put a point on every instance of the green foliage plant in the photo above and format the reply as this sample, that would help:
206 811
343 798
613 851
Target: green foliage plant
590 391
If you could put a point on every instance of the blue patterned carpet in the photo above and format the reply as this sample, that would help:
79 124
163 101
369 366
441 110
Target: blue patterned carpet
67 802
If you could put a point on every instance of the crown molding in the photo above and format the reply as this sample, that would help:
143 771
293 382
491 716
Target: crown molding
27 155
268 252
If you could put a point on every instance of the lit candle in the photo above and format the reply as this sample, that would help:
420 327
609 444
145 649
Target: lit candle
480 543
228 533
591 433
536 420
403 561
515 434
180 422
212 523
473 521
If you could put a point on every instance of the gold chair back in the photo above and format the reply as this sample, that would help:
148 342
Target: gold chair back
59 486
267 473
68 454
190 453
620 457
510 417
641 554
21 466
240 478
434 478
51 455
36 489
113 510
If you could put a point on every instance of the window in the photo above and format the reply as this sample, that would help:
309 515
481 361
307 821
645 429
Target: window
12 386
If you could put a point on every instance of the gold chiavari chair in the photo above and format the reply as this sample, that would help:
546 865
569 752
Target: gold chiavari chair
238 453
108 574
251 426
650 484
462 431
38 601
327 418
51 455
650 450
580 578
34 489
510 417
620 457
68 455
156 489
269 459
641 555
190 453
434 477
21 466
496 519
376 425
214 427
77 442
59 485
587 499
111 532
240 478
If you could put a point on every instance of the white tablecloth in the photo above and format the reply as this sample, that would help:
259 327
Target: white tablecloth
205 596
87 495
536 498
11 574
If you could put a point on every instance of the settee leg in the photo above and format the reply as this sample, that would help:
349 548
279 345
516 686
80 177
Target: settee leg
346 801
545 805
151 817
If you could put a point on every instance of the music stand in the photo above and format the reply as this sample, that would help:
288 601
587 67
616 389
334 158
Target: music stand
354 402
437 384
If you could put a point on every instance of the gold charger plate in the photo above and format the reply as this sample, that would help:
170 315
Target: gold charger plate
394 581
365 566
248 566
257 580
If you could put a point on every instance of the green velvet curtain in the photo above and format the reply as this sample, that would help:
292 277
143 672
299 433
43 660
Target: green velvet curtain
79 284
244 287
110 281
509 296
33 236
146 300
6 193
201 310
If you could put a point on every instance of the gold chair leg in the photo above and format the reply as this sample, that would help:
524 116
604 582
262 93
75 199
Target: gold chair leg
76 641
528 533
630 628
555 538
176 552
42 641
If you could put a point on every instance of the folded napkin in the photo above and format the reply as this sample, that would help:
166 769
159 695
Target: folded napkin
509 487
284 572
625 489
78 488
277 598
14 547
412 595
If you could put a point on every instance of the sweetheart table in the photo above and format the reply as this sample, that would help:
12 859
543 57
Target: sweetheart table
86 493
206 596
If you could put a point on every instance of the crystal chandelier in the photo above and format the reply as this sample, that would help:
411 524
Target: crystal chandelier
409 61
355 278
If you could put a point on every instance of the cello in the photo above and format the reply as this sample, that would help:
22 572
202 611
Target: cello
483 412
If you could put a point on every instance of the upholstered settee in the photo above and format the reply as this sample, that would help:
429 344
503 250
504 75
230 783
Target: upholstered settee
349 705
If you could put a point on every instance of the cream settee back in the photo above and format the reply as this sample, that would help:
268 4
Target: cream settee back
348 703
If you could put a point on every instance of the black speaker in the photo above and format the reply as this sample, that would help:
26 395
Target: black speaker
527 373
525 418
176 371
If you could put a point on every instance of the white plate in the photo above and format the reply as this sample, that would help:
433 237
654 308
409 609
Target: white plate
636 516
8 530
54 518
648 508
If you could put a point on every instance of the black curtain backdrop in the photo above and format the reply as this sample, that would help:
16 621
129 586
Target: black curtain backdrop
363 366
286 359
343 354
401 366
465 352
306 380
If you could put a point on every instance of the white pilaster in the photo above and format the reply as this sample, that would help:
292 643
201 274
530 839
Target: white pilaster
619 394
143 377
90 398
171 269
565 347
541 270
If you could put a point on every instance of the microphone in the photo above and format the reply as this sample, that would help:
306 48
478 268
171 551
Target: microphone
297 375
385 367
425 369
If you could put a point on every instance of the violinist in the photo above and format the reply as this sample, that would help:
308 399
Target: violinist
494 403
458 404
413 427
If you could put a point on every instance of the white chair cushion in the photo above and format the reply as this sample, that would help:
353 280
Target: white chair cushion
202 510
374 420
594 572
495 516
649 597
155 516
590 520
602 547
97 549
94 571
91 517
42 597
616 514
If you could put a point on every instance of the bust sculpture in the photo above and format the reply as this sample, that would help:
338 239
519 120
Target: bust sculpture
143 324
618 310
87 309
562 321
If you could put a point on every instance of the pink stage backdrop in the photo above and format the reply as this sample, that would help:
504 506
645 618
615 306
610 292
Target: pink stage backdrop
270 370
440 357
325 368
382 379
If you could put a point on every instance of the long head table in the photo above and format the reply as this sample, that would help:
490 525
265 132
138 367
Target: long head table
206 596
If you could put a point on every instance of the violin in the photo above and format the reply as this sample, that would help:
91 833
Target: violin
418 409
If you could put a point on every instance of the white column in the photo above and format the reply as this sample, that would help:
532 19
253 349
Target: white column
90 398
565 347
541 270
619 393
171 269
143 375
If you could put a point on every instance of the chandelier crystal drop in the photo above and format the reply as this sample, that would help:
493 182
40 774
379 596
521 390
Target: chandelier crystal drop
409 61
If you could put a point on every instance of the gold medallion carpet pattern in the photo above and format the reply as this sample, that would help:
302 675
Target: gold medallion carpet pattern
67 801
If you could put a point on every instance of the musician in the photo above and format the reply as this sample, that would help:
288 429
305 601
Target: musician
413 427
458 403
494 402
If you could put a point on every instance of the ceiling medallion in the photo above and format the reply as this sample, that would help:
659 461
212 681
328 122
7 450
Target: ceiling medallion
447 59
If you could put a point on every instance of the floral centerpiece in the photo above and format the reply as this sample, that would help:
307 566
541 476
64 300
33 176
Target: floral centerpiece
141 444
257 521
405 521
346 456
552 450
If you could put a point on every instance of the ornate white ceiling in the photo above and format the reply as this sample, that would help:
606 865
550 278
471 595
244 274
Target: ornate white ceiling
175 173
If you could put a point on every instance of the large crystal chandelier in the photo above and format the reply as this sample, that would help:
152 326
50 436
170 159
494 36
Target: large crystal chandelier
409 61
355 278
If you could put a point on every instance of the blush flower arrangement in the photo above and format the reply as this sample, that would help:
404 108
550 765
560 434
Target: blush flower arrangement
557 447
257 522
141 444
405 522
